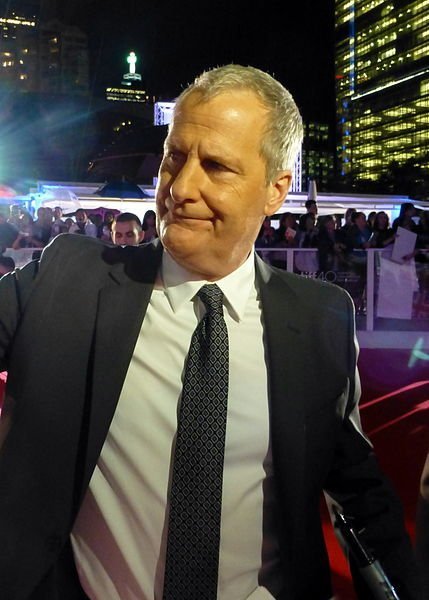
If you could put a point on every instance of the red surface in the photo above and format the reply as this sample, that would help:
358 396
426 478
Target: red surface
395 416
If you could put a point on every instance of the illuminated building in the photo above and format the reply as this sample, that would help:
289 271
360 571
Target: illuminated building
382 84
131 88
63 59
18 51
317 155
43 57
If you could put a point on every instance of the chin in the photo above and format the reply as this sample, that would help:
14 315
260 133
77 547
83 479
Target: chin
180 241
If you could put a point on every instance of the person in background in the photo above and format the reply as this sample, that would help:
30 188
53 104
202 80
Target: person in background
347 225
407 218
25 237
371 219
382 234
287 222
14 215
311 207
285 238
266 239
7 265
106 435
68 223
97 220
331 250
8 233
127 230
83 225
58 225
307 237
149 226
358 234
107 225
42 226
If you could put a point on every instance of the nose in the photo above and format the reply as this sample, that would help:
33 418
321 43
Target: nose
187 182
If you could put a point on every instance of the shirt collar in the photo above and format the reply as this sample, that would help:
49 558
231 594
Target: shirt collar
181 286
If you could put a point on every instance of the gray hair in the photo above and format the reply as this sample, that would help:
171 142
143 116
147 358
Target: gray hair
283 133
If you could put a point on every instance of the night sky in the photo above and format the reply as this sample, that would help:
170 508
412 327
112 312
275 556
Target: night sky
175 41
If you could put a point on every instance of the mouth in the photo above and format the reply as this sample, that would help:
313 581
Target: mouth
192 219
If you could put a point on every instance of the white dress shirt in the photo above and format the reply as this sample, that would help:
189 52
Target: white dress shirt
119 538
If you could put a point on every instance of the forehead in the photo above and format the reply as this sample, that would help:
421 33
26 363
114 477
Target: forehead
124 226
234 116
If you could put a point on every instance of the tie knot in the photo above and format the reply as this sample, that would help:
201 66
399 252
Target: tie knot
212 297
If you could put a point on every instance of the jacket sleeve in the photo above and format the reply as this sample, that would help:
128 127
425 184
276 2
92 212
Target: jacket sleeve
15 289
358 486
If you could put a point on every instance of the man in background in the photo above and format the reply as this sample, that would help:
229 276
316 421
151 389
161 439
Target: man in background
83 225
7 264
127 230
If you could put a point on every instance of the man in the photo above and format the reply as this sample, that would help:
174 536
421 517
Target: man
311 207
91 421
42 226
7 264
58 225
8 233
127 230
83 225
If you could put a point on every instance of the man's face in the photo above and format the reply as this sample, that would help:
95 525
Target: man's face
212 194
127 233
312 209
360 221
81 217
58 213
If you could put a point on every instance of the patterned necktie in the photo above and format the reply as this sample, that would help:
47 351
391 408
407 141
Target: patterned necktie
192 560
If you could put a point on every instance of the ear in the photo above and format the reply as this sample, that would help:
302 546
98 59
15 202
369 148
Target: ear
141 236
277 192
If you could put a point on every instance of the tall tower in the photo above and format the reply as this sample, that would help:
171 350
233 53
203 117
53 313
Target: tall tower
382 84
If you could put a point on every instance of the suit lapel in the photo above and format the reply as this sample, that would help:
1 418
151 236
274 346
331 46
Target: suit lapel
283 331
121 308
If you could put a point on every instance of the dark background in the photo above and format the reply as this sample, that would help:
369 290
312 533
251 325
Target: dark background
175 41
58 137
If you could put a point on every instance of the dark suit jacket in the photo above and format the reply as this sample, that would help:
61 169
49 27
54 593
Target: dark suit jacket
67 336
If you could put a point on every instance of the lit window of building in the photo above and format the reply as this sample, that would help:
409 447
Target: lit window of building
382 84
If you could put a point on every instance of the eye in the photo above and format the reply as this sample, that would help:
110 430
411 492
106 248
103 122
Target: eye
214 165
173 155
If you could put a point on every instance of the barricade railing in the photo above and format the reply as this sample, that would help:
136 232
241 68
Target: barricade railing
386 294
22 256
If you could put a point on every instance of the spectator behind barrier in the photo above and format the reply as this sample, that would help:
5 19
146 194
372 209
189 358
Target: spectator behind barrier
127 230
7 265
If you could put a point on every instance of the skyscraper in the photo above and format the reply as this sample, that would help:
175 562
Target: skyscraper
382 84
317 155
39 53
18 50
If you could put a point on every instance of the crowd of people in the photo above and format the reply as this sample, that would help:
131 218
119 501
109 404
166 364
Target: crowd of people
20 229
340 241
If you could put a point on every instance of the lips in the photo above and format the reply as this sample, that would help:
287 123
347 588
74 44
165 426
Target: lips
175 217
